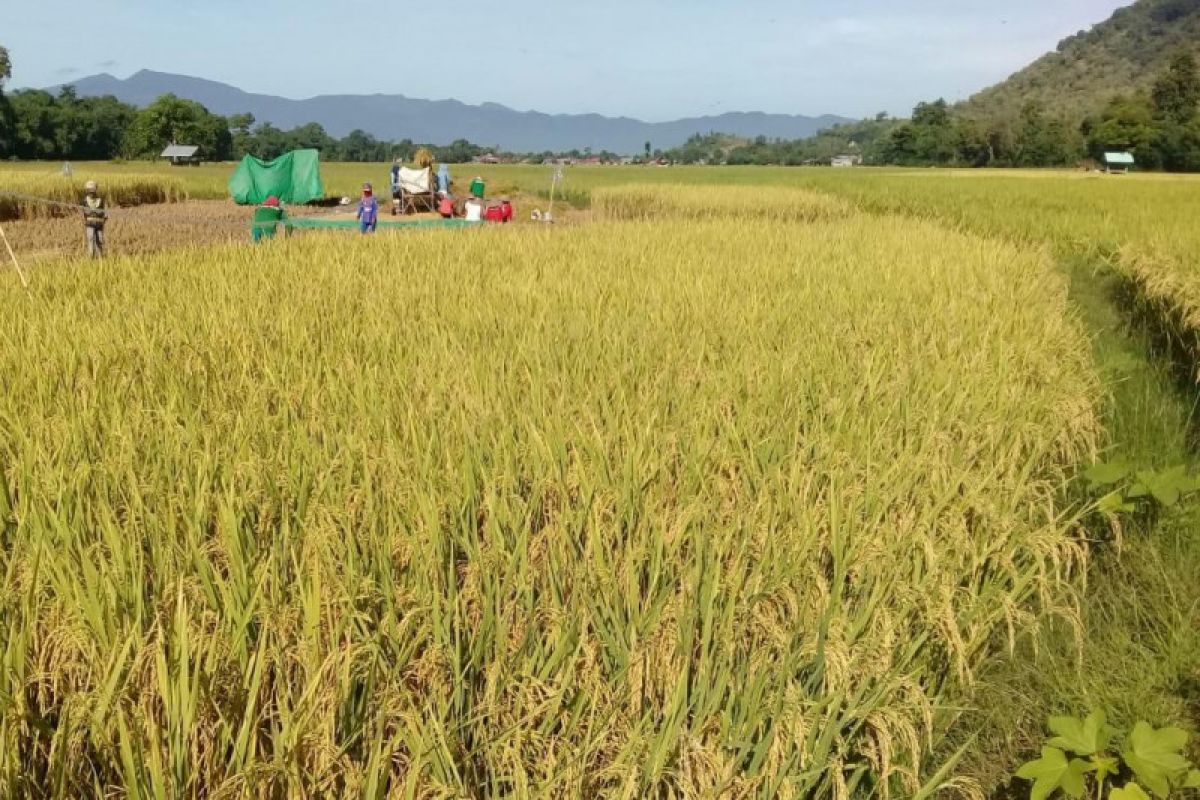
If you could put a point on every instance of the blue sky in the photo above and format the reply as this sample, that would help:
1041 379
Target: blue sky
654 59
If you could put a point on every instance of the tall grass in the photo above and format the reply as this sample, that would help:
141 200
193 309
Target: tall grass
118 190
627 510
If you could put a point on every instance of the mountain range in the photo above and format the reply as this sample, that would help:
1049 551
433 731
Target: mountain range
1121 55
394 117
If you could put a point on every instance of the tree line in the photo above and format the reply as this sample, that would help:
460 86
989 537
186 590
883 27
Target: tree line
1161 128
40 125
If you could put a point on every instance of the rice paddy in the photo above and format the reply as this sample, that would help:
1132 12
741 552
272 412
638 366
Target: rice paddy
1141 224
714 504
21 192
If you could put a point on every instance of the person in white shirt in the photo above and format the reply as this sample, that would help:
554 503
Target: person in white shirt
474 210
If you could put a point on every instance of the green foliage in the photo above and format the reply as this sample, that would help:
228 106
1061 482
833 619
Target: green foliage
1127 491
37 125
1156 757
864 138
930 138
1129 792
172 119
1176 93
1044 140
1124 54
7 121
1126 123
66 126
1054 771
1084 737
1153 757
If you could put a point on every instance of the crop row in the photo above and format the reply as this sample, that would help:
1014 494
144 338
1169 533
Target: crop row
1141 224
632 509
730 204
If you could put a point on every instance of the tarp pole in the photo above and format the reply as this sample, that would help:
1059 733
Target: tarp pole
555 177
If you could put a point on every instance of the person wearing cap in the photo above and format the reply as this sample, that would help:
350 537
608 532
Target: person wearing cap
478 187
94 216
267 218
368 210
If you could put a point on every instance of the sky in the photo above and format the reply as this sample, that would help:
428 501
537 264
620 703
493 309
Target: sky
656 60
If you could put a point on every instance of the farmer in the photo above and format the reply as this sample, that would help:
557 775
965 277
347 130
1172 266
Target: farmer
267 218
94 217
396 193
368 210
478 187
445 205
443 178
473 210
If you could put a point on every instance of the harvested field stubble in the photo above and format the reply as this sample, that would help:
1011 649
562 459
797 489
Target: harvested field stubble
623 510
132 231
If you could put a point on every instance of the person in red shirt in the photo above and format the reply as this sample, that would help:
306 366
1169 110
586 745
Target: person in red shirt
445 205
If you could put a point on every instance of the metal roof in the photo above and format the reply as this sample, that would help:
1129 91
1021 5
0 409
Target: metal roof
180 151
1118 158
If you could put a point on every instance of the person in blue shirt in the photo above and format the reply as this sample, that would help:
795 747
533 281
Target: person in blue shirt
368 210
397 196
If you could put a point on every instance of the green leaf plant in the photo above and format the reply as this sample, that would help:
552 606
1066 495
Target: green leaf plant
1078 762
1127 491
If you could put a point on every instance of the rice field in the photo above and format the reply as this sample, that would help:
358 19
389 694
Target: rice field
732 205
625 509
126 189
1142 224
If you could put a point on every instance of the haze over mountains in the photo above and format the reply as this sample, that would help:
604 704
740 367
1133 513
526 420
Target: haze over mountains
395 117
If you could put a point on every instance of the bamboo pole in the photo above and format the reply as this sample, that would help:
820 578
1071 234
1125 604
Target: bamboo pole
13 256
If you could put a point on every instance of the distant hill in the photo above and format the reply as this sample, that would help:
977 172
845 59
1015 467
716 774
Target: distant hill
1121 55
442 121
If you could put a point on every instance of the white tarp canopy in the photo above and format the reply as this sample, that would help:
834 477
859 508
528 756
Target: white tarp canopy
417 181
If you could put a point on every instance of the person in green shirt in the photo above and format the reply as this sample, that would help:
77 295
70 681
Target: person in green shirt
477 187
267 218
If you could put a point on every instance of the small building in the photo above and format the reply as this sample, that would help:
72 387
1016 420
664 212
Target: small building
1118 162
181 154
846 161
488 158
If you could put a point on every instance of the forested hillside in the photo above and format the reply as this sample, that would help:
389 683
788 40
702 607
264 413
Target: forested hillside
1122 55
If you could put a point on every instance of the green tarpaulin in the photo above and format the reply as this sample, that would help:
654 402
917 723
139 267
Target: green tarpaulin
294 178
336 224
